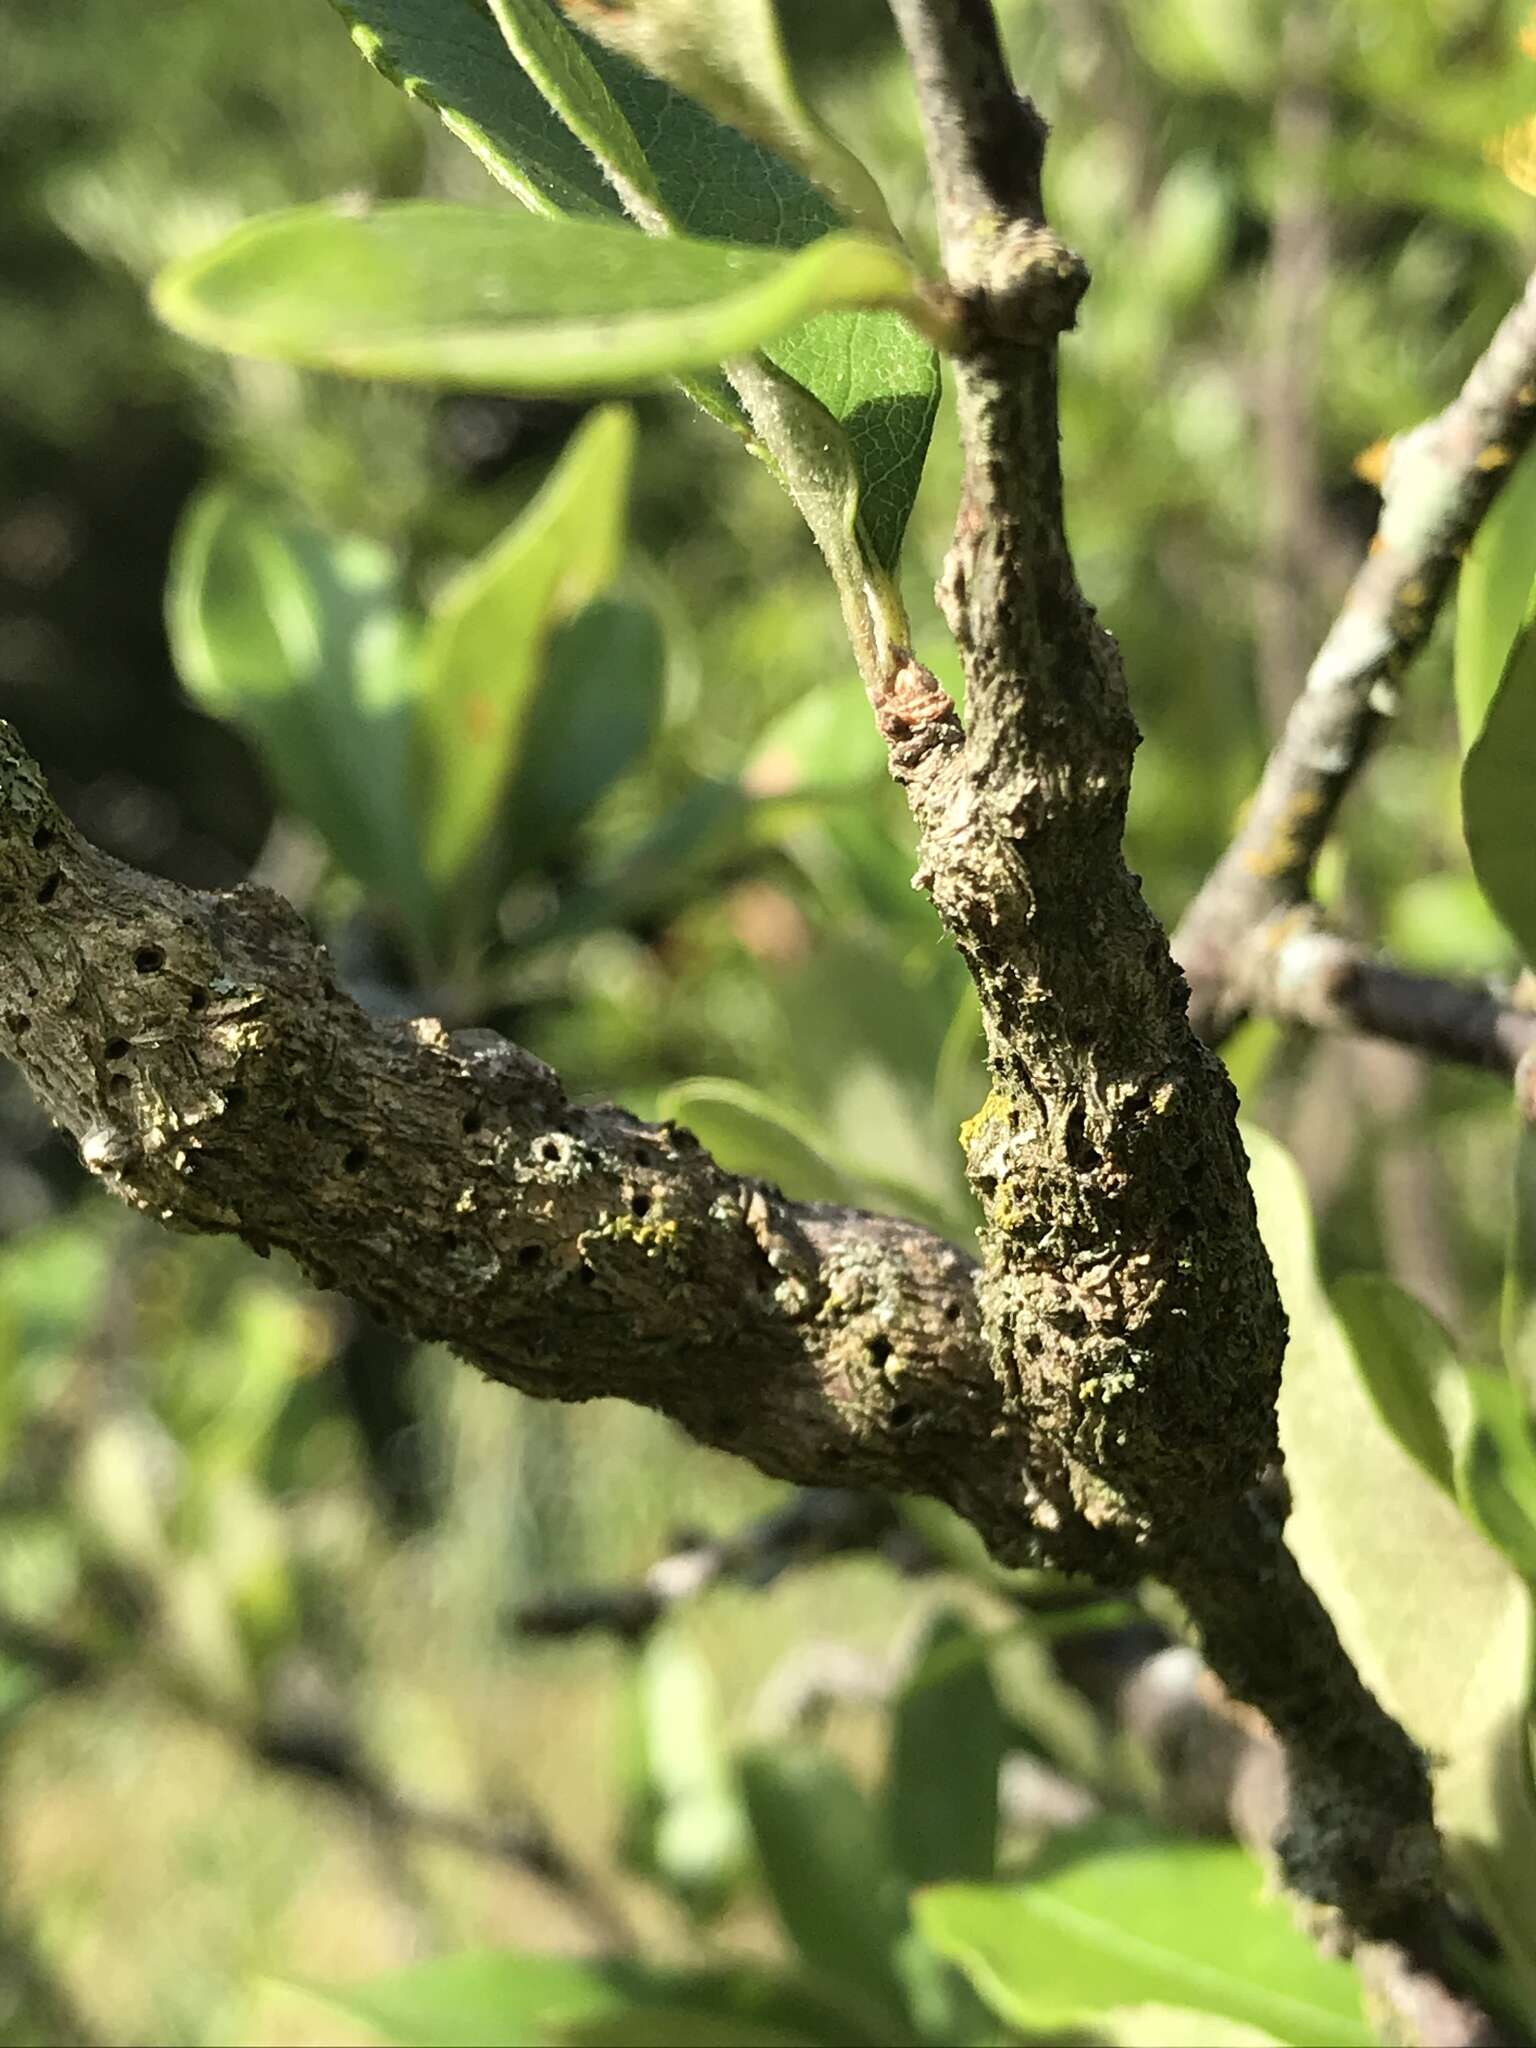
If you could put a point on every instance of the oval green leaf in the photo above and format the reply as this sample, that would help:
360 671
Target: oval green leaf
947 1742
1409 1367
1436 1621
828 1871
1494 592
850 451
472 299
448 55
301 639
1498 784
486 640
1170 1923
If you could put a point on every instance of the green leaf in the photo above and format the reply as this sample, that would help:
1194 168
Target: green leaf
1494 593
1496 1468
591 715
750 1133
828 1870
303 642
685 169
474 299
1435 1620
499 1999
488 635
1517 1308
947 1741
1173 1923
1409 1368
850 449
1486 1803
685 1826
729 56
448 55
1498 779
1173 2026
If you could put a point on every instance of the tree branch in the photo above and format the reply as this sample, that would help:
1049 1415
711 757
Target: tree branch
1128 1303
1295 969
1440 481
1103 1394
199 1050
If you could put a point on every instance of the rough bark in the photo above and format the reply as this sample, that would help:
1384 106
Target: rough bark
1101 1393
198 1048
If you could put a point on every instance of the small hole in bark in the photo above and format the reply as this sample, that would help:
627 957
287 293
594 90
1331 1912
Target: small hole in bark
639 1205
119 1084
879 1350
234 1095
197 1000
531 1255
1081 1155
149 959
951 1310
902 1414
117 1049
471 1122
19 1023
42 838
49 889
586 1276
355 1160
547 1148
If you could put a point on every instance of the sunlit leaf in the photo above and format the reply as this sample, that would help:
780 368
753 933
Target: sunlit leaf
489 633
1436 1621
850 448
686 1826
729 55
477 299
498 1998
1498 778
1175 1923
1409 1367
448 54
303 642
1495 587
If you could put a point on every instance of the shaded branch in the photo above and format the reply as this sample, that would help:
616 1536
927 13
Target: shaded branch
1440 481
816 1524
1295 969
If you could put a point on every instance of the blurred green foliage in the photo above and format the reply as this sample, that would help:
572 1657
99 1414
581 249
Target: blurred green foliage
259 1556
